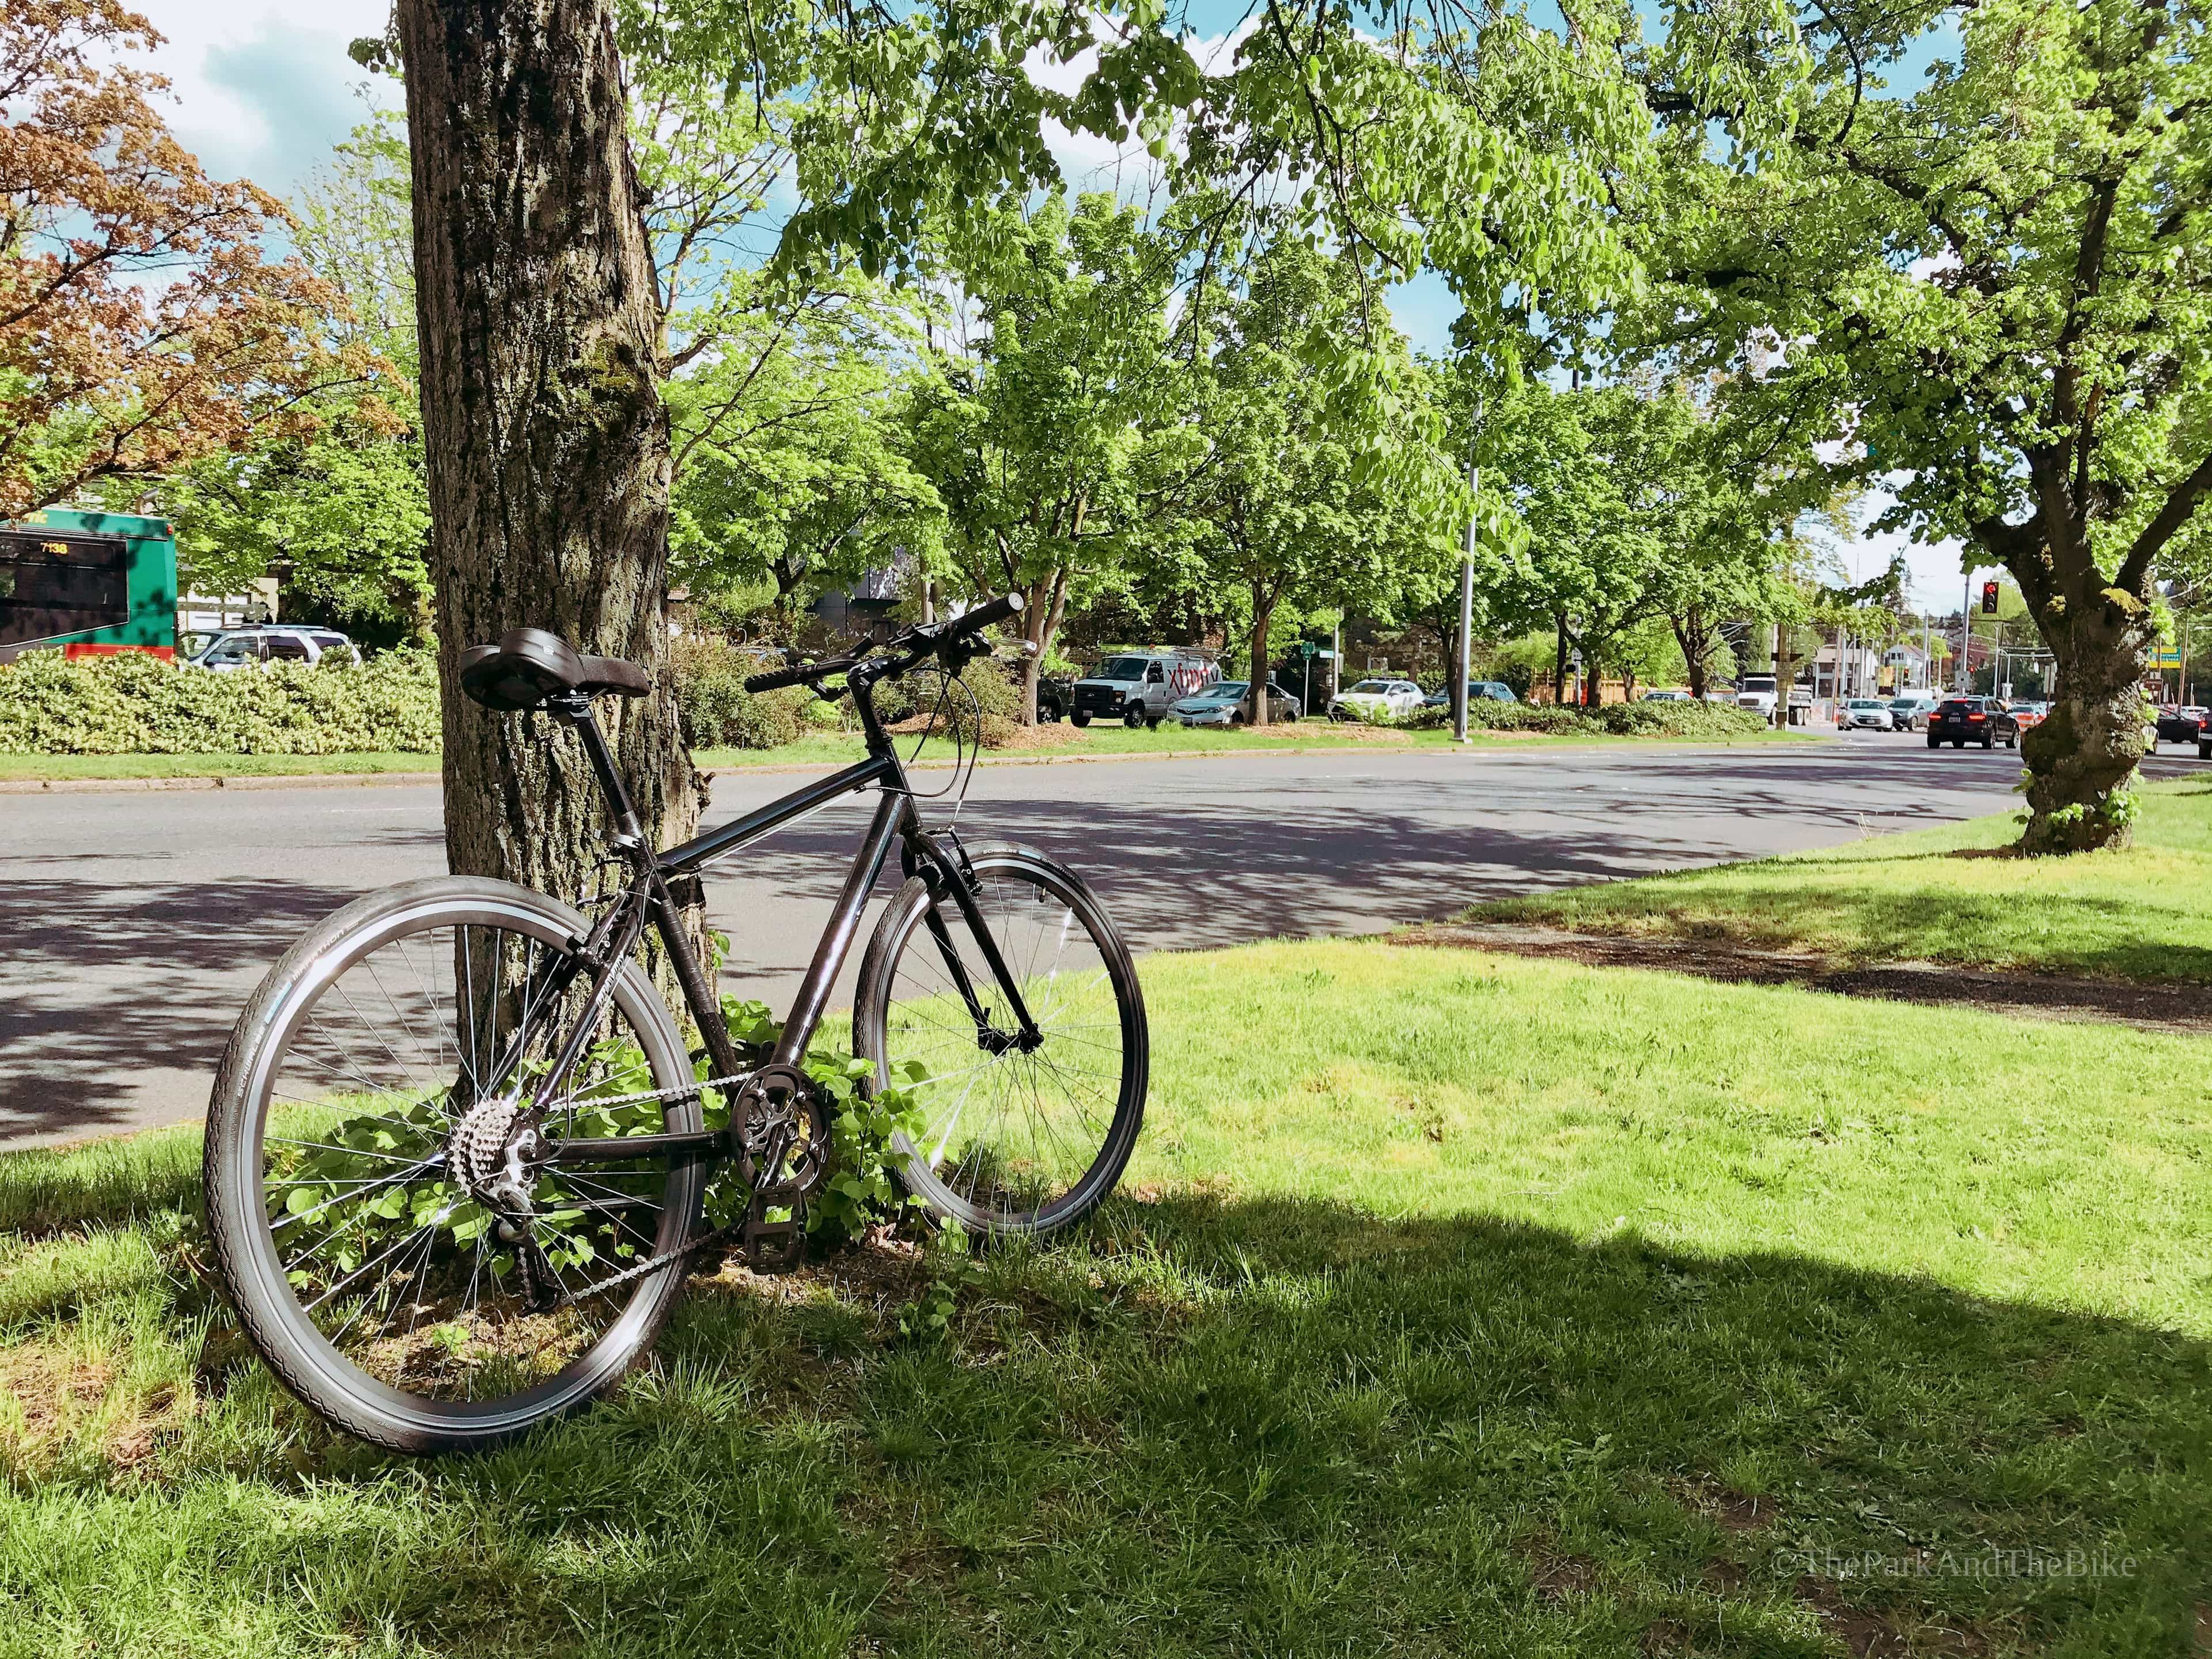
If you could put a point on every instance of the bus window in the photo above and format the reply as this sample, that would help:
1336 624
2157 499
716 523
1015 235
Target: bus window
51 586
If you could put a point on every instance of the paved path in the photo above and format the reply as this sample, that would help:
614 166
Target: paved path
135 924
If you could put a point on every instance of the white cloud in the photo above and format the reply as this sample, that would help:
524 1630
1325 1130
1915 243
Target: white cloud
262 89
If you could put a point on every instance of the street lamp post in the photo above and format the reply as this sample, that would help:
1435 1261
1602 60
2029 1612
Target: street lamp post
1466 612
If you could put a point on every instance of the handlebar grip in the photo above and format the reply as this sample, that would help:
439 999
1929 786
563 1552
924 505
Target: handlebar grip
776 678
975 621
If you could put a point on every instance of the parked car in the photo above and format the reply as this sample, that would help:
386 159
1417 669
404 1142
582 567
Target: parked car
1666 696
2185 724
255 647
1961 720
2027 718
1055 699
1476 691
1229 703
1910 714
1374 699
1138 688
1868 714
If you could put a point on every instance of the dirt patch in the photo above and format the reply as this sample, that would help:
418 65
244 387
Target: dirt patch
1872 1635
1559 1577
1727 1508
53 1390
2178 1008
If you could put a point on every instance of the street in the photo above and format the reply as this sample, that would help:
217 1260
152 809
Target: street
137 922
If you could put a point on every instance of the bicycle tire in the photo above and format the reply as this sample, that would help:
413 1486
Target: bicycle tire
248 1260
1005 868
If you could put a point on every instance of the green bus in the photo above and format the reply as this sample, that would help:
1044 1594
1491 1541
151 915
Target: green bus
88 583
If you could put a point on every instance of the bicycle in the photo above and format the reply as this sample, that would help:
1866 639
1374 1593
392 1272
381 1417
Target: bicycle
460 1150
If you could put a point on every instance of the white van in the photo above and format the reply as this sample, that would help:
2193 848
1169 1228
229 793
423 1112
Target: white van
1138 688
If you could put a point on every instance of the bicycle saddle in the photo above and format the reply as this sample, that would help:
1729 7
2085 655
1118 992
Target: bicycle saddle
529 664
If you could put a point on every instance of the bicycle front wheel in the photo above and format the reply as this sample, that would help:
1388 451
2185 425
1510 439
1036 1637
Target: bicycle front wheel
362 1265
1006 1135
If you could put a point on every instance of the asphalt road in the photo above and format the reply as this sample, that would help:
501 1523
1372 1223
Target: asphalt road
135 923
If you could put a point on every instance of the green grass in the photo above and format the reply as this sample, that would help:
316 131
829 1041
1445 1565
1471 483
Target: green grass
1456 1305
1063 742
1956 894
43 767
829 748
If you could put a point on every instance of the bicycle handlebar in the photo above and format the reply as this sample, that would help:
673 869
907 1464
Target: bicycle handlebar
776 678
912 647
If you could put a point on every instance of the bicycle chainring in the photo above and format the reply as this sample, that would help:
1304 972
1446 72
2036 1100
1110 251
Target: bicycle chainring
780 1131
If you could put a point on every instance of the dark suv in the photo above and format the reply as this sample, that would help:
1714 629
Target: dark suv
1962 721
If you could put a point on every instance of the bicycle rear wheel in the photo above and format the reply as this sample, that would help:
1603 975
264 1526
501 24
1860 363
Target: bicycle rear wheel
379 1290
1009 1139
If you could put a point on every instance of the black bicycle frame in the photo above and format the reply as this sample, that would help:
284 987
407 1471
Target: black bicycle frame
618 930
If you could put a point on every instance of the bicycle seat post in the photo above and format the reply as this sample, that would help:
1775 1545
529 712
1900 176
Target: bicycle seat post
576 709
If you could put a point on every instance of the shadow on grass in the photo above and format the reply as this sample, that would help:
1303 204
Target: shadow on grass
2036 930
1273 1426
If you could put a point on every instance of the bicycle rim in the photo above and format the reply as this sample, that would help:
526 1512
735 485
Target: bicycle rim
1008 1139
385 1291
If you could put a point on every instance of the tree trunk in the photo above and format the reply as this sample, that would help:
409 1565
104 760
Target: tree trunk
547 446
1263 614
1044 608
1690 634
1785 671
1560 666
2082 759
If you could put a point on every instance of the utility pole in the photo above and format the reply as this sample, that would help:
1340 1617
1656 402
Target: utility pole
1965 634
1466 607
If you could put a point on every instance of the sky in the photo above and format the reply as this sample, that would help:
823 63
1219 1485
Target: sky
262 89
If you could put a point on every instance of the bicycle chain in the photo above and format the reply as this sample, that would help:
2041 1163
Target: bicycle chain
771 1246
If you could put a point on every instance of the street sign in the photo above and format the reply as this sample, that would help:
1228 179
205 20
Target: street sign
2164 656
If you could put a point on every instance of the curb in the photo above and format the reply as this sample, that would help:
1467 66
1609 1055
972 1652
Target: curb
246 780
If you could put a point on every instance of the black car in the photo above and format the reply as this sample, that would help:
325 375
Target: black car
1961 720
2184 725
1055 699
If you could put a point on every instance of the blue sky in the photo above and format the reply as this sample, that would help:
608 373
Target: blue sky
263 88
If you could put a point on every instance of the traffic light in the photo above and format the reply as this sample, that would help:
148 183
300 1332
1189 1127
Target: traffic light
1988 598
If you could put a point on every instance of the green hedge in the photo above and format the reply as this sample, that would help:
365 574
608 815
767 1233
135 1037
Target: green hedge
716 710
134 703
1619 719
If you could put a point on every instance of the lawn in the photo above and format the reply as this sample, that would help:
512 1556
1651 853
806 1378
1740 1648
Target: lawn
1456 1305
1955 894
1062 742
63 767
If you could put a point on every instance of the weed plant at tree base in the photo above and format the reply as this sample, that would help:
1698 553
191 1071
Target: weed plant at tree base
858 1193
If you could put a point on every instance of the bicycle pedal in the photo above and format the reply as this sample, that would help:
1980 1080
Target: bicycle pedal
775 1247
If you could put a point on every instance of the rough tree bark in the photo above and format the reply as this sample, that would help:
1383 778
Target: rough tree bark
547 445
1694 635
1785 671
1263 616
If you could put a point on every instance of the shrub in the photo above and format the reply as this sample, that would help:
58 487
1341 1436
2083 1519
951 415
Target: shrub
1620 720
134 703
716 710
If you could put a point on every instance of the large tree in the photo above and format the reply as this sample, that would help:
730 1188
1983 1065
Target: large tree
1050 424
1303 498
330 498
546 441
140 324
1993 284
791 467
